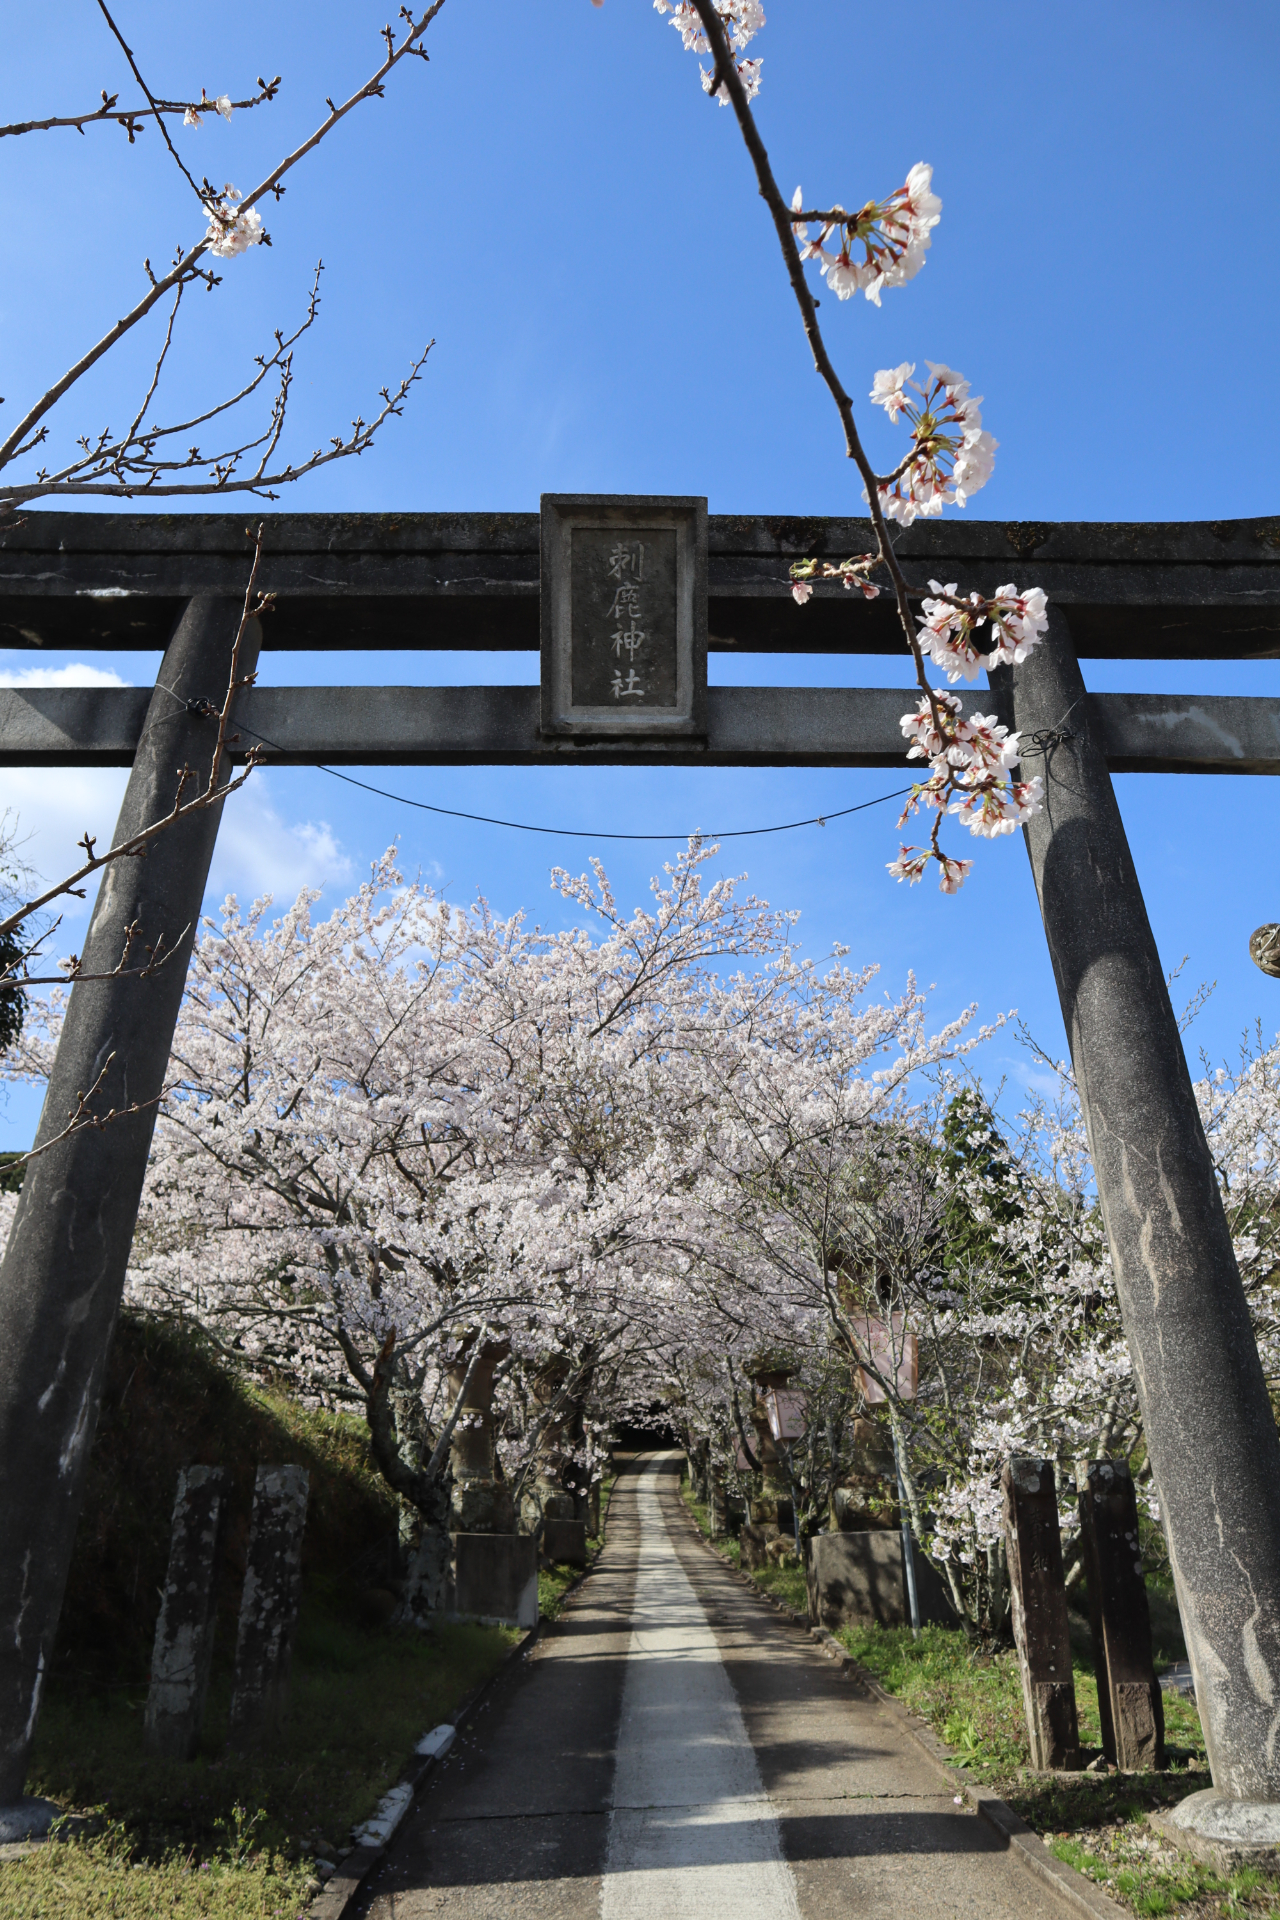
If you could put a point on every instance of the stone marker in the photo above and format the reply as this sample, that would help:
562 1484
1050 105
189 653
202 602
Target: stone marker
1039 1602
1129 1704
494 1578
269 1608
770 1514
547 1495
184 1631
481 1501
856 1577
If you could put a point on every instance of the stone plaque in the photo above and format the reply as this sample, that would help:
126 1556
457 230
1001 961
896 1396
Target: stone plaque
624 614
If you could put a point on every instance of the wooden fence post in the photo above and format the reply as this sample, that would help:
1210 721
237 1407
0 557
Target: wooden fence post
1040 1612
1129 1703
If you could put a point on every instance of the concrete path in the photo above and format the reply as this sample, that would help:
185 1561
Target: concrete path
673 1752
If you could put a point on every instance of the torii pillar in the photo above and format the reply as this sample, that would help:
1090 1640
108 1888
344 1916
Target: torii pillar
1211 1432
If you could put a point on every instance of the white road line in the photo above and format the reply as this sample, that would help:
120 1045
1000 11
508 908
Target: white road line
692 1835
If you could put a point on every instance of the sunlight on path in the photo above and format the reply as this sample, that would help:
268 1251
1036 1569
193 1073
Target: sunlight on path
693 1835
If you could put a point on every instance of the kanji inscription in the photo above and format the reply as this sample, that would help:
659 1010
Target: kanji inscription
623 632
623 592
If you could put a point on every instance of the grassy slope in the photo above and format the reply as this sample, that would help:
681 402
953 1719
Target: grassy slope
220 1836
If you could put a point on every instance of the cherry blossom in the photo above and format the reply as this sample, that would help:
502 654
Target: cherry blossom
850 573
194 116
882 245
952 455
231 228
742 19
969 758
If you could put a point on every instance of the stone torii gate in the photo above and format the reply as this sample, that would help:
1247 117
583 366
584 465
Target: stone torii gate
670 583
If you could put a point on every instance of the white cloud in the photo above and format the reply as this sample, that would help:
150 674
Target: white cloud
257 850
51 808
77 674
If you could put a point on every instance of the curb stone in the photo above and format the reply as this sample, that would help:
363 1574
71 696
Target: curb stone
355 1867
1073 1888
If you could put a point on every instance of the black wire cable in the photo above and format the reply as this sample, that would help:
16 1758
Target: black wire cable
579 833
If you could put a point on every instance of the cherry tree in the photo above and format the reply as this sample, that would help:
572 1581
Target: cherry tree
406 1138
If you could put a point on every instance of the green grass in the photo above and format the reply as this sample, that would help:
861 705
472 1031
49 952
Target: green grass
359 1702
1096 1823
1129 1861
724 1543
973 1702
100 1879
785 1584
230 1835
554 1581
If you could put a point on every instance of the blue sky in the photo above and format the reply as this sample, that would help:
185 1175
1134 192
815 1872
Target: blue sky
554 201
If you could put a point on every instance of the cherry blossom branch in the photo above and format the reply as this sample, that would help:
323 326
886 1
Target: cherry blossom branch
783 217
233 225
16 974
201 196
968 759
82 1118
131 118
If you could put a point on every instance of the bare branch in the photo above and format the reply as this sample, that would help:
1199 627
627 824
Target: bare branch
82 1117
187 268
131 118
201 195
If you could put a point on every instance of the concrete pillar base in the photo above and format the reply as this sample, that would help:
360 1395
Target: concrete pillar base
1227 1834
854 1578
26 1819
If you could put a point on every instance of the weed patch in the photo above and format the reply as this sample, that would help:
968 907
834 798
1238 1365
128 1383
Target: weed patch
102 1879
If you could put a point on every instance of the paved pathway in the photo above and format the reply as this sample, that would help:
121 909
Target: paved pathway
672 1752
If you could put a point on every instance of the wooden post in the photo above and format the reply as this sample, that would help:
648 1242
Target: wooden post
269 1608
1129 1703
184 1631
1040 1612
